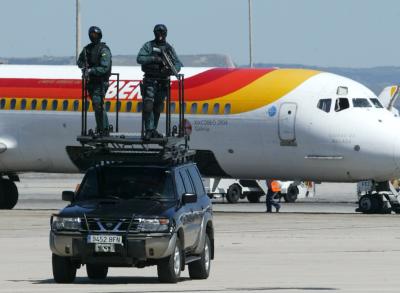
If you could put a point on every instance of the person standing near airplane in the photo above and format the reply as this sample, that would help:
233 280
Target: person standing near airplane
273 188
95 60
156 79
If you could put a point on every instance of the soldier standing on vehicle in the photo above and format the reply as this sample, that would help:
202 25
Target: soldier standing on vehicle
95 62
273 188
156 79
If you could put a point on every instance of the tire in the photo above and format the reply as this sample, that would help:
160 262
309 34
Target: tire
253 197
200 269
8 194
169 269
291 195
233 193
370 204
96 272
64 271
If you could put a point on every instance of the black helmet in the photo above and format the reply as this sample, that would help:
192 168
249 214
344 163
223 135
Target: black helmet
160 33
95 34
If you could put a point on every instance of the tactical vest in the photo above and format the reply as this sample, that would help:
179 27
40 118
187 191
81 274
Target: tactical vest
93 56
153 70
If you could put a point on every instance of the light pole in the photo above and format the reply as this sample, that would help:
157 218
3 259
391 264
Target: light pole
250 37
78 29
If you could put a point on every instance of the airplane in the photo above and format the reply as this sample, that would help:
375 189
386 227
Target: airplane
287 124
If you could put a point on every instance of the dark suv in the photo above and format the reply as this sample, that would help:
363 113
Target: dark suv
125 215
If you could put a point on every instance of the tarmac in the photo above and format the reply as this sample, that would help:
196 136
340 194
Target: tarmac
314 245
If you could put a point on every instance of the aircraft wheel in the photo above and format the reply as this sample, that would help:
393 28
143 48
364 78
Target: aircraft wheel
234 193
8 194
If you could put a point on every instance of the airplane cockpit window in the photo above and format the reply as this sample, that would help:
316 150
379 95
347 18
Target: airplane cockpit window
227 109
193 108
44 104
361 103
128 107
33 104
205 108
65 105
76 105
376 103
2 103
324 105
216 108
13 104
23 104
341 104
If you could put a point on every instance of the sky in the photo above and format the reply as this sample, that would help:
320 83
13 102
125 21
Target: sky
349 33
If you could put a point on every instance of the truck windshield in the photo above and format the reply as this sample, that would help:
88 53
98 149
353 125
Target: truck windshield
127 183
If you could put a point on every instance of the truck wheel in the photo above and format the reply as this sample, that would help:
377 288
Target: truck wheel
96 272
200 269
169 269
292 193
370 203
253 197
233 193
64 271
8 194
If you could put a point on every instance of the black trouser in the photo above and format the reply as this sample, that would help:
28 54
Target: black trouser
270 201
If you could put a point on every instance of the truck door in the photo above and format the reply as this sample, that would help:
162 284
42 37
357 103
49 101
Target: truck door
287 123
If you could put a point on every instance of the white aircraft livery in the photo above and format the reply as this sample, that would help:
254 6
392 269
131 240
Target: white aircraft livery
286 124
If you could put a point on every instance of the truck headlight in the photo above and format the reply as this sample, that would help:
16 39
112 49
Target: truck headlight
153 225
61 223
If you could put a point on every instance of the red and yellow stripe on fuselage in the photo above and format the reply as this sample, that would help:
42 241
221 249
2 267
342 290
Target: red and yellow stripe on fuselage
242 89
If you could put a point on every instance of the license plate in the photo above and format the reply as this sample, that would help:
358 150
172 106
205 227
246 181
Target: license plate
104 247
105 239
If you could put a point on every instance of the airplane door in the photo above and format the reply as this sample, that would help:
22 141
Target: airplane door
286 124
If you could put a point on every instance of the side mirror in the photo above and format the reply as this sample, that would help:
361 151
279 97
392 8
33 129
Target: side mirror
189 198
68 196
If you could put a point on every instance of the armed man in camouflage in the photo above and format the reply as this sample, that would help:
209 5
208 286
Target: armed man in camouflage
156 79
95 62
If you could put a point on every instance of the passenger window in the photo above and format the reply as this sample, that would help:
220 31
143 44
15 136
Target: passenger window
2 103
216 108
341 104
180 187
65 105
76 105
139 107
205 108
198 184
227 109
186 181
23 104
33 104
193 109
54 105
128 107
173 107
13 104
376 103
108 106
119 106
361 103
324 105
44 104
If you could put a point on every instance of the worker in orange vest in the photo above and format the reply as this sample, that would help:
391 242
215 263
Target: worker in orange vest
273 188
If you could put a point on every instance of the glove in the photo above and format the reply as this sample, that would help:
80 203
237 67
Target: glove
157 59
86 72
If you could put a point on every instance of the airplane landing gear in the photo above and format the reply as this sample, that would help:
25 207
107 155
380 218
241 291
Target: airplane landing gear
8 194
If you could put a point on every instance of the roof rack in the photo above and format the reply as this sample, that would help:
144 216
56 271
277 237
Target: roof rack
132 147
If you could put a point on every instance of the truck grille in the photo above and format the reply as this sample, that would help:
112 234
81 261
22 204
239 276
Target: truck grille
109 225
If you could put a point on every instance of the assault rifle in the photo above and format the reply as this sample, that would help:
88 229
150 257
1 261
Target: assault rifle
167 62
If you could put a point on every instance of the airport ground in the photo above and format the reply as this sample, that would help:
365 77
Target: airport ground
316 245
